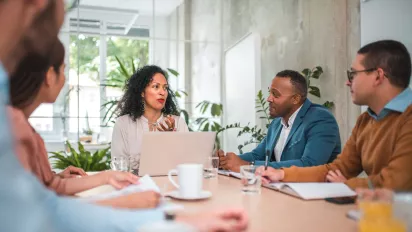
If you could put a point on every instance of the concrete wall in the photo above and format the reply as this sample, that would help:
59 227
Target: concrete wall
295 34
206 51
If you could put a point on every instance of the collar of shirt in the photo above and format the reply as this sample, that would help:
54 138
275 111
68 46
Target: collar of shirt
4 85
3 74
397 104
144 119
291 119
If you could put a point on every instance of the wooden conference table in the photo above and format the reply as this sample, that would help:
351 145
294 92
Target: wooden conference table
271 210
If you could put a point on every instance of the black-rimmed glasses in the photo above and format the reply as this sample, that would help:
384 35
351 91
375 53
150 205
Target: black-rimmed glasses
351 73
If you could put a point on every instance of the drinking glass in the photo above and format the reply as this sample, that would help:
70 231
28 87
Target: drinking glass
251 181
120 164
377 216
211 166
402 208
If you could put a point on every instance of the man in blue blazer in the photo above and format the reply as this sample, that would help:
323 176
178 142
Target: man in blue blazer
301 134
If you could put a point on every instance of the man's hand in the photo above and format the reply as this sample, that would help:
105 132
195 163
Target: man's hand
270 175
72 171
231 161
335 176
217 221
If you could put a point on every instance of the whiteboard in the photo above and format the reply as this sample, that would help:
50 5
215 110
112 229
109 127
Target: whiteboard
242 81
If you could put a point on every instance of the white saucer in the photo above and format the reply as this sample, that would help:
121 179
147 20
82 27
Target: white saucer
203 195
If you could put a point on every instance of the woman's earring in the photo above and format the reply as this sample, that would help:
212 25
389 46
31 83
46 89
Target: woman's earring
143 105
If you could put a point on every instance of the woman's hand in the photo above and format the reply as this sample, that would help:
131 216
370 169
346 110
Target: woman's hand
72 171
119 179
137 200
143 200
170 124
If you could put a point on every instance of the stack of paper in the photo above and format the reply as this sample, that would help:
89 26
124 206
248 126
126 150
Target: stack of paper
146 183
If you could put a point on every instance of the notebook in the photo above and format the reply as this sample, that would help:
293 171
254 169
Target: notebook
313 191
229 173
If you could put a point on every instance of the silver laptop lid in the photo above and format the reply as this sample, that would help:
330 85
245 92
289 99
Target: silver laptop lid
163 151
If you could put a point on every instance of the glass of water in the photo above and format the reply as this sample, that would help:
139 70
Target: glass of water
251 181
211 166
120 164
402 208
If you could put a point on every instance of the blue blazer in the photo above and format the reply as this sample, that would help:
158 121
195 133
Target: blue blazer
313 140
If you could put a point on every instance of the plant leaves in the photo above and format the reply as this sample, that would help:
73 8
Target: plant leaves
185 116
306 72
133 66
329 104
216 110
174 72
81 148
314 91
206 127
183 92
122 68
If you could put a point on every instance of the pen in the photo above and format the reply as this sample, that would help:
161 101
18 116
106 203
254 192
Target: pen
266 160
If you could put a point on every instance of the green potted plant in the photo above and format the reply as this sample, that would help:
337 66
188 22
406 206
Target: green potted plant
98 161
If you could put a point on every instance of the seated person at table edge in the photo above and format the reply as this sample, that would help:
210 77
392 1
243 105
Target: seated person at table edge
381 141
301 134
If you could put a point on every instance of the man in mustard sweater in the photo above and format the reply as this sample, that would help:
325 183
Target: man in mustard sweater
381 141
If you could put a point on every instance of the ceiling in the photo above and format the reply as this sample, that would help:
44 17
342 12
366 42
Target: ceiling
144 7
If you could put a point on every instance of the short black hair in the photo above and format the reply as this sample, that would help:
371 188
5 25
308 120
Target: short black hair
391 56
298 81
132 102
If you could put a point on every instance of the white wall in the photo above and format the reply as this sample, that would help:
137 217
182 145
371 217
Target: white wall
241 82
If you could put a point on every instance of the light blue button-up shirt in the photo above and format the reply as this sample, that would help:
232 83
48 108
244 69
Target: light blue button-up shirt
397 104
26 205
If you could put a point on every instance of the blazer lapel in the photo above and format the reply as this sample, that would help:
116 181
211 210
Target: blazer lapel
298 119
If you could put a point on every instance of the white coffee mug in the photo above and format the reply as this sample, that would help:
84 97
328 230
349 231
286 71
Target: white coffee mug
190 178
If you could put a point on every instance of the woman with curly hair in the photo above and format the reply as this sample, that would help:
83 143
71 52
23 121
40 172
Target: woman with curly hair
147 105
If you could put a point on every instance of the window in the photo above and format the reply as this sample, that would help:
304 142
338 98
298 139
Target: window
79 106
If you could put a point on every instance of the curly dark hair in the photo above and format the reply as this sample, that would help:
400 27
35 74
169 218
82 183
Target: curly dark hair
132 102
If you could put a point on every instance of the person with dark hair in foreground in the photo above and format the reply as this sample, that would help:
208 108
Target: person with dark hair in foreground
381 141
302 133
31 86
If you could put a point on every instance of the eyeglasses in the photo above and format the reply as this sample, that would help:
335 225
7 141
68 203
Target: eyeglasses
351 73
70 4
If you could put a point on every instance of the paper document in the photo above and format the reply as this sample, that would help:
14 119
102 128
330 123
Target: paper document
311 191
229 173
146 183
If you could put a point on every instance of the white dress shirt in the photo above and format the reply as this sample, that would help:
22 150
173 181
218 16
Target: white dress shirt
280 145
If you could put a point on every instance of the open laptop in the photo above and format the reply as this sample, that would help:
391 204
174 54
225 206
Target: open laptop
163 151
